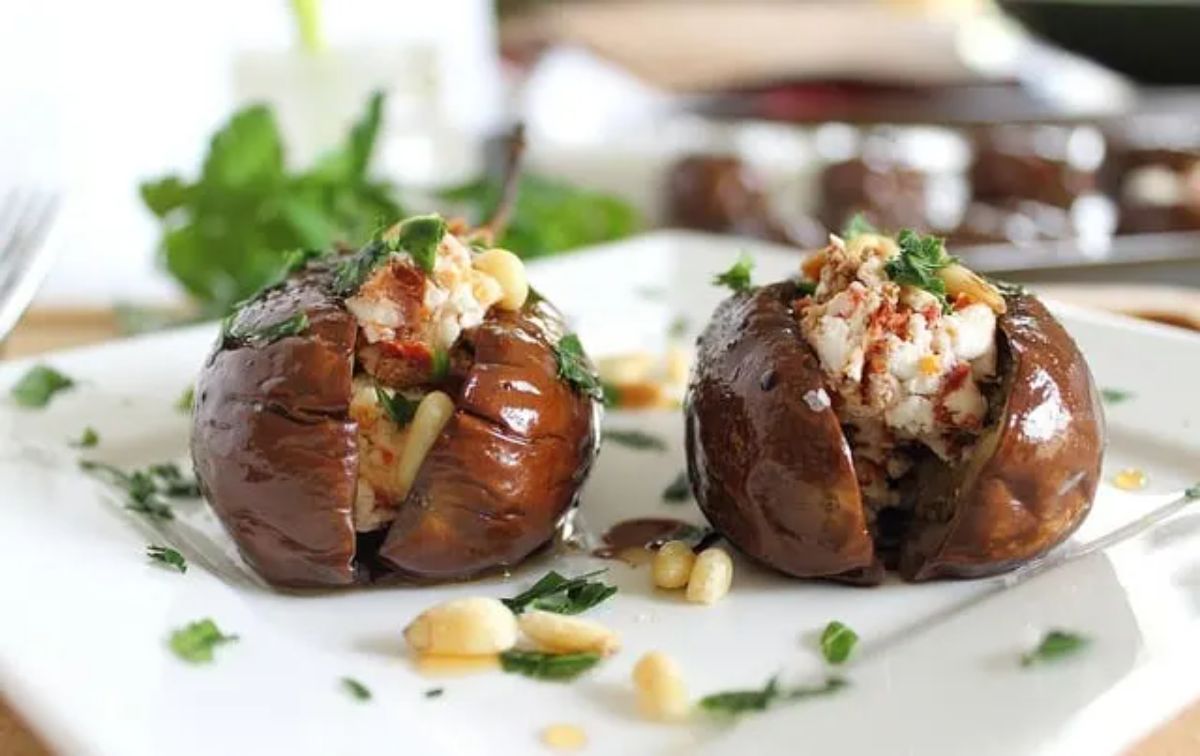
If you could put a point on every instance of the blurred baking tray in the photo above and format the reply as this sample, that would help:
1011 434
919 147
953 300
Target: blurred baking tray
1149 258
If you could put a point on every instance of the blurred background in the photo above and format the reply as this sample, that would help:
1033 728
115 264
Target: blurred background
176 151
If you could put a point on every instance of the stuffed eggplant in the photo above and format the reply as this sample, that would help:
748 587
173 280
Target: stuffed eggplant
410 410
890 408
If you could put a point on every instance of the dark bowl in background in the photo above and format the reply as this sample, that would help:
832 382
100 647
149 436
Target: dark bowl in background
1152 41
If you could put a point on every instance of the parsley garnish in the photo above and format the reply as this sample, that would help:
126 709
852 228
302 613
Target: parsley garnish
805 288
195 642
354 270
1115 396
679 490
290 326
419 236
544 666
168 556
837 641
435 692
39 385
1191 493
635 439
87 439
187 400
737 277
573 366
555 593
398 407
356 689
298 259
439 365
857 226
611 394
920 258
146 489
1055 645
736 702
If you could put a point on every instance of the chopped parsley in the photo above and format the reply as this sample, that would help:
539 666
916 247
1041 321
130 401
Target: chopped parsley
805 288
920 258
557 667
167 556
146 489
187 400
573 366
419 236
439 365
635 439
737 277
195 642
298 259
561 595
39 385
611 394
87 439
678 490
353 271
1192 492
356 689
735 702
1055 645
837 641
398 407
435 692
293 325
1115 396
857 226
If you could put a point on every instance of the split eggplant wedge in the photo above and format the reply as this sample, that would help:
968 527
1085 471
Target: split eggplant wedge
773 469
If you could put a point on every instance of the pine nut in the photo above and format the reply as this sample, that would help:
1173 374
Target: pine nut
509 272
563 634
564 737
661 695
434 411
673 565
711 577
960 279
631 367
463 627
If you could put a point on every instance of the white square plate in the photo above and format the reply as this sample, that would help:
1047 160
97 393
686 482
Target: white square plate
85 615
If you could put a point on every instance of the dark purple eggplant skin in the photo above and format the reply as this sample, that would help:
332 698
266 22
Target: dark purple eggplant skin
776 478
276 454
771 474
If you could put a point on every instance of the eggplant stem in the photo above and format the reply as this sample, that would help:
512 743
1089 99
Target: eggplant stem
502 213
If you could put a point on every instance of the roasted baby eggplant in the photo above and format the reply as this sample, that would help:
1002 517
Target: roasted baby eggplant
411 410
890 408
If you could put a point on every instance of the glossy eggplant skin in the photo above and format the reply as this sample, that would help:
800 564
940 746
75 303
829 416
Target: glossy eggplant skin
771 474
276 453
775 475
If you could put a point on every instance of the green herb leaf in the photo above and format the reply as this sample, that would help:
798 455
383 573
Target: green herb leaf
356 689
298 259
1192 492
439 365
611 395
805 288
737 277
195 642
146 489
399 408
1115 396
419 236
167 556
678 327
737 702
555 593
261 335
634 439
1055 645
435 692
187 400
837 641
39 385
679 490
573 367
557 667
88 439
857 226
354 271
920 258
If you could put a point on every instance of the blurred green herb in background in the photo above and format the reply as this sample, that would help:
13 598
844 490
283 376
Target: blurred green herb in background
227 233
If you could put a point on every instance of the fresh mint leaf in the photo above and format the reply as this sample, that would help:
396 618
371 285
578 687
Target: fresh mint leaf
837 641
920 258
736 702
561 595
1055 645
398 407
634 439
857 226
356 689
737 278
679 490
1115 396
419 236
556 667
573 367
39 385
195 641
168 556
87 439
165 195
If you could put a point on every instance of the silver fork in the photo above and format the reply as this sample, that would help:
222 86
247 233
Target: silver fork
25 219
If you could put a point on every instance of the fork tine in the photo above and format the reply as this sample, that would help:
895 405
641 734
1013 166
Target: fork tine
24 259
